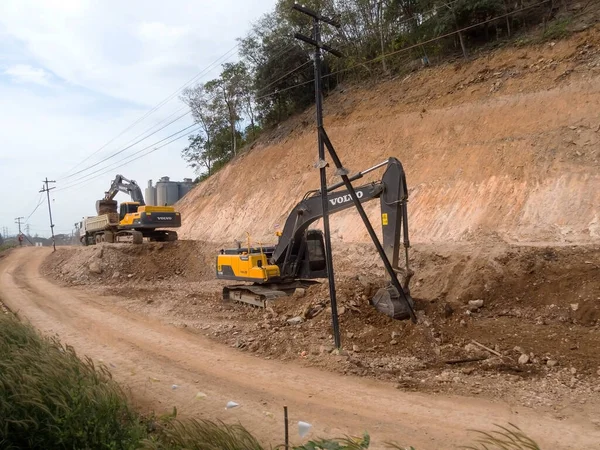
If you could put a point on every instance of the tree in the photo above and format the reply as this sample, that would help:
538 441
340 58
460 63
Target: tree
274 77
230 89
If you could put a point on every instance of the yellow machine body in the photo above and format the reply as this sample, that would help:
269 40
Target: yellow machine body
132 214
245 266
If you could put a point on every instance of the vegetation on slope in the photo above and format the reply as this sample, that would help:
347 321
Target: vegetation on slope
274 77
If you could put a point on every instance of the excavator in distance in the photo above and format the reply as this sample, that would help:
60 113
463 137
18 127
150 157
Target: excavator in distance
133 222
299 256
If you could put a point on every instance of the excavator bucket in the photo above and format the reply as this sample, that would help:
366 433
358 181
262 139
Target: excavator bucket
388 301
106 206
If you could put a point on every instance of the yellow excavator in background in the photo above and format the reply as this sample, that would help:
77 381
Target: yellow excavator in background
299 256
134 221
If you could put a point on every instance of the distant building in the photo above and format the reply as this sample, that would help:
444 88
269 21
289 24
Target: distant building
167 192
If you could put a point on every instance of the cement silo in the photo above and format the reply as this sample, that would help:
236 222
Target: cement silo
150 194
185 187
167 192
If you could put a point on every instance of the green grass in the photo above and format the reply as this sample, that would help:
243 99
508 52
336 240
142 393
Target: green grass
50 398
201 435
557 29
7 246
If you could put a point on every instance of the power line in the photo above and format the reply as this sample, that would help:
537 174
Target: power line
85 181
378 58
40 201
133 154
226 55
126 148
287 48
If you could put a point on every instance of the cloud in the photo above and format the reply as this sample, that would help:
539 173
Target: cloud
113 60
159 32
127 49
23 73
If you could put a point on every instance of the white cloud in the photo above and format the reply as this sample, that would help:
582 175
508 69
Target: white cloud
24 73
128 49
113 60
159 32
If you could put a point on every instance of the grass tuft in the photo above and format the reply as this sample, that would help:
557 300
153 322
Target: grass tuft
201 435
49 398
506 438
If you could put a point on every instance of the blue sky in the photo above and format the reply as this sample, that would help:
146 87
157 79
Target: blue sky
74 74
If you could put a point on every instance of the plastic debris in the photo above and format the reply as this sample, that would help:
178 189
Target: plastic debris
231 404
201 395
175 386
303 428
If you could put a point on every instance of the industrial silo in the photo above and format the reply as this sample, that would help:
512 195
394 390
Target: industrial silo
185 186
167 192
150 194
161 191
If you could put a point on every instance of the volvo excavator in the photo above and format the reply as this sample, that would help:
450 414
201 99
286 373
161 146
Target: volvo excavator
299 256
133 222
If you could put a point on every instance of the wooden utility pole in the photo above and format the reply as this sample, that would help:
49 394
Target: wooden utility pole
18 222
324 142
47 190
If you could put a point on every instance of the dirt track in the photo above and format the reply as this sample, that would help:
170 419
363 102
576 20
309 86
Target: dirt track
150 357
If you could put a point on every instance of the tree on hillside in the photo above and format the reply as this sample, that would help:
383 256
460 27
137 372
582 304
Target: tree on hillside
232 89
206 149
274 77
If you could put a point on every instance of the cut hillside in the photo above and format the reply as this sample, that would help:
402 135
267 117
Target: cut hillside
504 146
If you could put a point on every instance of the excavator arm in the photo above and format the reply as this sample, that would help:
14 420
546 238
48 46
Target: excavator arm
129 187
393 195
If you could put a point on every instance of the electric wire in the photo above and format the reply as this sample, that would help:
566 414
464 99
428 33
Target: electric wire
285 49
118 163
127 147
380 57
226 55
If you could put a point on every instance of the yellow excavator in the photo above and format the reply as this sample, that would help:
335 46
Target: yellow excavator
299 256
133 222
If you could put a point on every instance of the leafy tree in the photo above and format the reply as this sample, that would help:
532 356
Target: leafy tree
274 77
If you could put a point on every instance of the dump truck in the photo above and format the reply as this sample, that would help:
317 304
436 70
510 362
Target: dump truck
134 220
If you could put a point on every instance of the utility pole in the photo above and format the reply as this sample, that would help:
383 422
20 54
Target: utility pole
324 142
47 190
321 163
18 222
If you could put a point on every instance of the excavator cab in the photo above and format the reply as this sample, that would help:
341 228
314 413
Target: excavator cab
128 208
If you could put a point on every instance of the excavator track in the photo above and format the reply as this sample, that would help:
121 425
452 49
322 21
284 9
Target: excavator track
261 295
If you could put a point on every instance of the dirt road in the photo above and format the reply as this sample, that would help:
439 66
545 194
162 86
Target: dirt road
150 357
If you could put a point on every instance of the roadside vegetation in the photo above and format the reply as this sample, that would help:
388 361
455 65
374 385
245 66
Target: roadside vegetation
51 398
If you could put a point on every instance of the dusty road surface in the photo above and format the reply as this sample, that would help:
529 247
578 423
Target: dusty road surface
150 357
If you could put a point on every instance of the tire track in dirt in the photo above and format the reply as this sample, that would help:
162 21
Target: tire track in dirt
149 357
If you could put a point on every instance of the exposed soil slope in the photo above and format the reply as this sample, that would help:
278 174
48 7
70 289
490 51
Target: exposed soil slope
506 145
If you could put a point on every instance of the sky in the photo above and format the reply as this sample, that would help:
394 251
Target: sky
74 74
